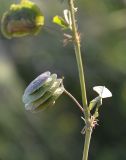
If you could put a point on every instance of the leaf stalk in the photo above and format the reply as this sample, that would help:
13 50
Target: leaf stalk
74 99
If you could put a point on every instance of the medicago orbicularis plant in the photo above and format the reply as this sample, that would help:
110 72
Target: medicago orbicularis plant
25 19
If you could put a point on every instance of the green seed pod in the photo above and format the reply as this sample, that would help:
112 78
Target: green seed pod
42 92
22 19
40 88
46 96
50 101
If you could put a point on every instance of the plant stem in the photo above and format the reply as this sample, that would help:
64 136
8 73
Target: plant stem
76 41
74 99
88 133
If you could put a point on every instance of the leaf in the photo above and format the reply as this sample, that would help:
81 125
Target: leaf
67 16
60 21
102 91
96 101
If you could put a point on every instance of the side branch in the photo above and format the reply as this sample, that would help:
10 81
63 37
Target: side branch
74 99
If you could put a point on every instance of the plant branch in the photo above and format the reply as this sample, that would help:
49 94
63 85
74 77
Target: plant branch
74 99
76 41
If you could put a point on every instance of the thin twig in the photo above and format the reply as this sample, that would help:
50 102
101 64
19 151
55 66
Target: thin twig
74 99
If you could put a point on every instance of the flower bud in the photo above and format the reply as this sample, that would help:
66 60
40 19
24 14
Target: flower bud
42 92
22 19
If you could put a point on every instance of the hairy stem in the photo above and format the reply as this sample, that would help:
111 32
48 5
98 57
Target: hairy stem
74 99
76 41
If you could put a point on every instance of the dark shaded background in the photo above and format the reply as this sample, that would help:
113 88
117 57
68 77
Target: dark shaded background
55 134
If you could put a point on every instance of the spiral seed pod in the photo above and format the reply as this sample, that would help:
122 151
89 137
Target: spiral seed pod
50 101
22 19
42 92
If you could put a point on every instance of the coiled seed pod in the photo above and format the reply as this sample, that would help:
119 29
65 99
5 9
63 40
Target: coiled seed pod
22 19
42 92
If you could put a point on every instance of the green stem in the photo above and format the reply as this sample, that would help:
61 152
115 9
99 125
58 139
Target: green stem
87 143
78 57
76 40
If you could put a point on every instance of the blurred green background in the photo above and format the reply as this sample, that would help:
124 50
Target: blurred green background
55 134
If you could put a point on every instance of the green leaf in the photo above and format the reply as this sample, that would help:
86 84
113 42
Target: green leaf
61 22
94 102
